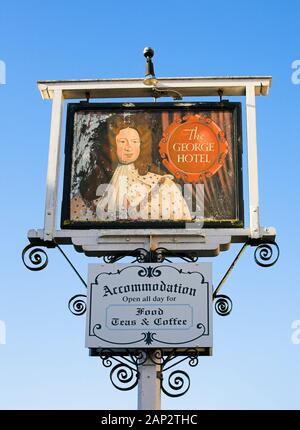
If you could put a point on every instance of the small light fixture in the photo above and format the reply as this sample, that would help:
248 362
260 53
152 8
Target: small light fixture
150 78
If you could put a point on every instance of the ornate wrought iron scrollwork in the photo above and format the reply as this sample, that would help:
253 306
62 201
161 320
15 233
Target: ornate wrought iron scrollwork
36 259
124 375
77 304
125 371
110 259
142 255
266 254
178 384
158 255
223 305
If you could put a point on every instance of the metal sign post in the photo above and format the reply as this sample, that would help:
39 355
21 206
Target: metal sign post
146 317
149 386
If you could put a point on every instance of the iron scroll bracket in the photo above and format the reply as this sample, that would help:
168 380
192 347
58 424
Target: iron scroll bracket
266 254
36 259
125 372
125 369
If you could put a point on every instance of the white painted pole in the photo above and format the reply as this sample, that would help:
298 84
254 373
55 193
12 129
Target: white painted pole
53 164
252 162
149 386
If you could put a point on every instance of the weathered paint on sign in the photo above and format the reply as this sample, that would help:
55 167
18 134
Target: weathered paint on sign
154 164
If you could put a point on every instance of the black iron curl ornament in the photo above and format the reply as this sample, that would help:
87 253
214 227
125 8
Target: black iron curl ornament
123 377
178 384
223 305
77 304
34 258
125 373
266 254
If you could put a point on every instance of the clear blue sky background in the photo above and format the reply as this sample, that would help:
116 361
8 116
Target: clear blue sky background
44 363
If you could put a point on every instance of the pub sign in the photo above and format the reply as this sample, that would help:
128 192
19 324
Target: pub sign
153 165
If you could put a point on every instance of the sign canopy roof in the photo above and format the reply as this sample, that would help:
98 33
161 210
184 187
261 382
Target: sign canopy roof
135 87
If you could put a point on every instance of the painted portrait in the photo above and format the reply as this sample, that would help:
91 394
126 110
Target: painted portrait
146 165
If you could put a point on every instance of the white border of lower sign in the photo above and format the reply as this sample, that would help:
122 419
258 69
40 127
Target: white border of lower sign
173 306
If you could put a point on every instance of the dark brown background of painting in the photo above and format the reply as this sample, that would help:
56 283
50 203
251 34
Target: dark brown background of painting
223 191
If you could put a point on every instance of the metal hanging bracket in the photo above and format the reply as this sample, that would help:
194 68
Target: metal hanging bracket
166 93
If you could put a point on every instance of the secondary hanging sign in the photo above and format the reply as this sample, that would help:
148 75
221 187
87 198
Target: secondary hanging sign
149 306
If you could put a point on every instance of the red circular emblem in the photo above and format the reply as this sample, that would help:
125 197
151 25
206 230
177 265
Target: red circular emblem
193 147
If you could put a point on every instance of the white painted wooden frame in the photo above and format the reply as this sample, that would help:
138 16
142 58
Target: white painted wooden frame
206 241
53 164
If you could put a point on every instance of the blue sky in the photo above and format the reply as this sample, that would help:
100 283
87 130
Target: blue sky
44 363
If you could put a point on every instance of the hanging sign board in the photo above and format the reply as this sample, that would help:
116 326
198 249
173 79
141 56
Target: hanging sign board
153 165
149 306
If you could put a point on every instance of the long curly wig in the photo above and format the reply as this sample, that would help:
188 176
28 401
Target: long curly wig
104 149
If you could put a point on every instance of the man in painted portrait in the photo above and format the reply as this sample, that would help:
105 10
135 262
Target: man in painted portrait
136 190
